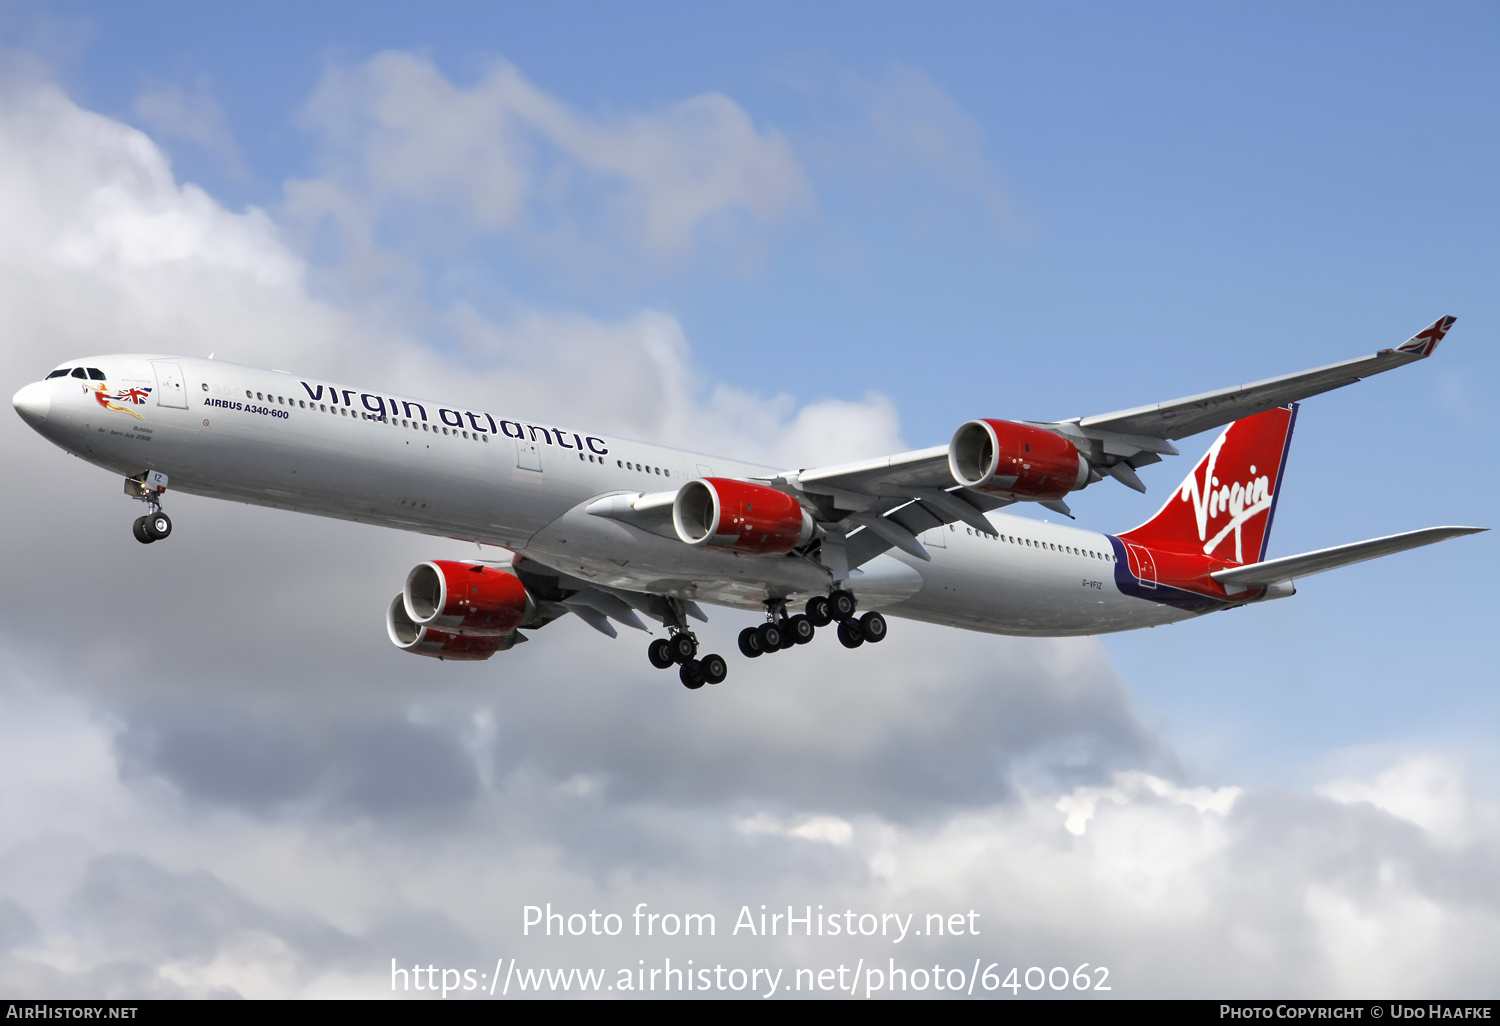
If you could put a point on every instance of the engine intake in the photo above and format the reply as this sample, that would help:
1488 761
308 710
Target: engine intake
740 517
464 598
1017 461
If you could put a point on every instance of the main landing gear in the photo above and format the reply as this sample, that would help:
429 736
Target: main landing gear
781 631
680 648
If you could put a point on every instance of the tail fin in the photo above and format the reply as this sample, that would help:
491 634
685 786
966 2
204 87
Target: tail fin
1225 506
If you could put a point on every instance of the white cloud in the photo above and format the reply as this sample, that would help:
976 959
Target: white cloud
895 127
173 112
822 829
1427 790
1081 805
502 156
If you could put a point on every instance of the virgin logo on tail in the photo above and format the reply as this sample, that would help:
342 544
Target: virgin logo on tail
1225 495
1212 497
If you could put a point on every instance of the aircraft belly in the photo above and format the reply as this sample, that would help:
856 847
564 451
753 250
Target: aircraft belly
992 586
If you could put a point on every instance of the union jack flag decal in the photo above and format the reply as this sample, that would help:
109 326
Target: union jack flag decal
1426 340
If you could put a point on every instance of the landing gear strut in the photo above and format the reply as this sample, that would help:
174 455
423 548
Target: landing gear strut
680 648
155 525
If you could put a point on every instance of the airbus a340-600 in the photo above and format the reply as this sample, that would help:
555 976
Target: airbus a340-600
613 530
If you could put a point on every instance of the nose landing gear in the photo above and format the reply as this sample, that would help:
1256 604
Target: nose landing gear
148 487
152 527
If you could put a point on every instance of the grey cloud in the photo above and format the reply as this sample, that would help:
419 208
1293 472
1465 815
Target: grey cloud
126 903
16 925
134 905
1353 847
227 755
846 732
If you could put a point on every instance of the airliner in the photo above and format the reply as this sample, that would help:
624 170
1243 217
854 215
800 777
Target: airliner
613 530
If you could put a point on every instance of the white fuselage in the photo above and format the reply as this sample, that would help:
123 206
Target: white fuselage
275 439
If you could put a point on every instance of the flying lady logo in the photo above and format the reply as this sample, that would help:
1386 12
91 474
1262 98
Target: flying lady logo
1212 498
116 400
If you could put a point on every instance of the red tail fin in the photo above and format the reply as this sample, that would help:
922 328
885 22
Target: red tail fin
1224 507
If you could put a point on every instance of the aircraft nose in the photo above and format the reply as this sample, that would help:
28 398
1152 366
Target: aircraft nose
33 403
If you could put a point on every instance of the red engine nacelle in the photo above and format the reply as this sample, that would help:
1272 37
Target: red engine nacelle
740 516
1001 457
462 598
428 641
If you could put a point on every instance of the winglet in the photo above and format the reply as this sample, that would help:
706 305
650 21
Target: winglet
1424 342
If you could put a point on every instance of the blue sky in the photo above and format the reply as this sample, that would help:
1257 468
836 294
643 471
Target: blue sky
1033 212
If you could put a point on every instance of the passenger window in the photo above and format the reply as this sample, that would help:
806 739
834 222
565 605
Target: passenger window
96 374
58 373
78 372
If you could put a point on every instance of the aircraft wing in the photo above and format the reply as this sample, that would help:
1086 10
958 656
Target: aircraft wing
1179 418
558 593
1288 568
885 503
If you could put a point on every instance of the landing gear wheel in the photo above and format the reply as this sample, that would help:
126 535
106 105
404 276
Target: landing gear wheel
139 530
849 634
660 654
684 646
750 643
801 628
770 637
713 668
788 639
158 526
818 612
872 627
841 605
691 675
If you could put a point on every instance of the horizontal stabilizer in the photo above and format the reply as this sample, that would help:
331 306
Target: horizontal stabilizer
1287 568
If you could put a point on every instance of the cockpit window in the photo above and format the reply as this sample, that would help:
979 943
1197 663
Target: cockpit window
61 372
78 372
96 374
